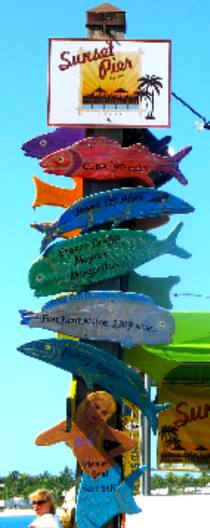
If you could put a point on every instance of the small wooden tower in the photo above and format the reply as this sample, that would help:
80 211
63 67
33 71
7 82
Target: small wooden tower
106 20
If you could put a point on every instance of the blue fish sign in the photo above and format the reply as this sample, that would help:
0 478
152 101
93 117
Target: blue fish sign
126 318
100 500
116 206
96 367
96 256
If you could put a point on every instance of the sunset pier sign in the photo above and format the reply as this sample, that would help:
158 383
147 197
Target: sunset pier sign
109 83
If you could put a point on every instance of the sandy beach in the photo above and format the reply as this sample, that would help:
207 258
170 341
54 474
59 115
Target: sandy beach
16 512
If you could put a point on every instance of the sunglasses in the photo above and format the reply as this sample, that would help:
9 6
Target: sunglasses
38 502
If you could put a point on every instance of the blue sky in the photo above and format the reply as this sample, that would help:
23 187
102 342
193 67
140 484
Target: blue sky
33 394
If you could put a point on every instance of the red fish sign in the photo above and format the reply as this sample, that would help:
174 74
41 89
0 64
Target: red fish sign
100 158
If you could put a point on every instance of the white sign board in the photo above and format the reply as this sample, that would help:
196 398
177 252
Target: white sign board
98 83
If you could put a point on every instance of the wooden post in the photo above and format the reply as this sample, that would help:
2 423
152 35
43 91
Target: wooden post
106 22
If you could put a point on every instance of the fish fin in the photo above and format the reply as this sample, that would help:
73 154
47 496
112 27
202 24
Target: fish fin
161 407
89 384
171 246
139 147
96 141
164 142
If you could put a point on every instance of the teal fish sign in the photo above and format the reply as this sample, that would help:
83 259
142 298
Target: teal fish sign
90 258
100 500
116 206
158 288
96 367
126 318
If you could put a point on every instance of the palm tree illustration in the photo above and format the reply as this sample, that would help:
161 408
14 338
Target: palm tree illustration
148 86
170 437
144 94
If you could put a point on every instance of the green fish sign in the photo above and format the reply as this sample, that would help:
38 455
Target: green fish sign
87 259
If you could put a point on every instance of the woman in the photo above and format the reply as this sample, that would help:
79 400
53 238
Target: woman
44 506
94 443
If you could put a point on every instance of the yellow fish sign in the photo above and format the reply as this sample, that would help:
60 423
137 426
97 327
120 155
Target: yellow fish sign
184 429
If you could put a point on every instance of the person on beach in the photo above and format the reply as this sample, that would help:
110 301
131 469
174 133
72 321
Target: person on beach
94 443
43 504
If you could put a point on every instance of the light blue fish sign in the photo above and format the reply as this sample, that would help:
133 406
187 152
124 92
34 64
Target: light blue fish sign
96 256
98 501
96 367
113 206
126 318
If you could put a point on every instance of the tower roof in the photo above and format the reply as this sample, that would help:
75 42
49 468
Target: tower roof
102 8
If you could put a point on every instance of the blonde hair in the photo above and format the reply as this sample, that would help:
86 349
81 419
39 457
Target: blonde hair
106 398
44 494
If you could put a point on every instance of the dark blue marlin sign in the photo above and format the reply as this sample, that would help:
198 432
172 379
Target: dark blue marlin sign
115 206
96 367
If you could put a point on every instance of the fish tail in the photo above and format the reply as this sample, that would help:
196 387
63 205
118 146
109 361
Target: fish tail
181 154
176 159
164 142
49 231
43 227
147 180
123 493
131 479
171 246
26 317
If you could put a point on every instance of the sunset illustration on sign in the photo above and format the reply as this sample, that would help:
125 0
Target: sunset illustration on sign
111 82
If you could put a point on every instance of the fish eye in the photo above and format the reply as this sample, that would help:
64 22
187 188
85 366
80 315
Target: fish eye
61 159
162 323
39 277
43 143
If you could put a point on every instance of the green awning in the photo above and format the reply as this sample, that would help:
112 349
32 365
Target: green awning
186 359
